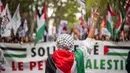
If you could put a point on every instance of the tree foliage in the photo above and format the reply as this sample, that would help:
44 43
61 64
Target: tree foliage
63 9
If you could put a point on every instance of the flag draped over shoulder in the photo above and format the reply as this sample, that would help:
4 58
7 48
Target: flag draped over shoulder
109 24
64 61
41 23
79 61
16 20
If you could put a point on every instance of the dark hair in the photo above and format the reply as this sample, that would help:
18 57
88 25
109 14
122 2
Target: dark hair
65 28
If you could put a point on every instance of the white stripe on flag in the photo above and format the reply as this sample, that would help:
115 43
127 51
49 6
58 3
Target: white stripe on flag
109 17
14 52
118 50
40 22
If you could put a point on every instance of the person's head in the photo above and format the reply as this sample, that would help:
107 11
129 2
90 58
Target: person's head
107 38
103 38
65 41
97 37
21 39
26 39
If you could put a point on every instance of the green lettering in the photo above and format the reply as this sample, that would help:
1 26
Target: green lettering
109 64
95 64
116 64
102 64
88 64
121 64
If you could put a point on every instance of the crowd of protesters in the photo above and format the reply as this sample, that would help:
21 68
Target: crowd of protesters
78 31
24 37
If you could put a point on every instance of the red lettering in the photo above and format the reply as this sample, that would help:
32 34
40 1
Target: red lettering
32 65
13 67
40 64
20 66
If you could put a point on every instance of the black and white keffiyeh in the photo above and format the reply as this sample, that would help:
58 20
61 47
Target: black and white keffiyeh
65 41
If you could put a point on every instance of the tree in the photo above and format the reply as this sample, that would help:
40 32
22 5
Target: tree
62 9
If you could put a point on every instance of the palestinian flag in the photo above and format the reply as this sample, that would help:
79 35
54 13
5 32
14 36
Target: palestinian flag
63 61
118 26
116 50
121 21
109 24
41 22
14 52
16 20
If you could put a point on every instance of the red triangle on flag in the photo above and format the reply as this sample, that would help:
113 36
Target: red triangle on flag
106 50
110 10
45 10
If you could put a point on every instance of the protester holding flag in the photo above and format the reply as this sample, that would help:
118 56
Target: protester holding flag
16 20
109 22
5 23
41 25
68 60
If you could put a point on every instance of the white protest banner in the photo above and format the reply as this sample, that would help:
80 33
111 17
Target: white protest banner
106 57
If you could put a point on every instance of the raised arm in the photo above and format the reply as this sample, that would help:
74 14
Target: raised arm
88 44
95 14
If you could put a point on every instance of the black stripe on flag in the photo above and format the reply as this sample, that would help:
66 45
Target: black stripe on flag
118 47
13 49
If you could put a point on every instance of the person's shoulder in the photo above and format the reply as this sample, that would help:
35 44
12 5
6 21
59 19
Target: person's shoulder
78 52
87 41
129 52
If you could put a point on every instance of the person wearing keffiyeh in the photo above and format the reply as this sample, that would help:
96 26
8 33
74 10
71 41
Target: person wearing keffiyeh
68 60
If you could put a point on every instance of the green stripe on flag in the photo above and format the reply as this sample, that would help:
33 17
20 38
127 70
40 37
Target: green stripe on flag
109 27
40 33
15 56
80 61
117 54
